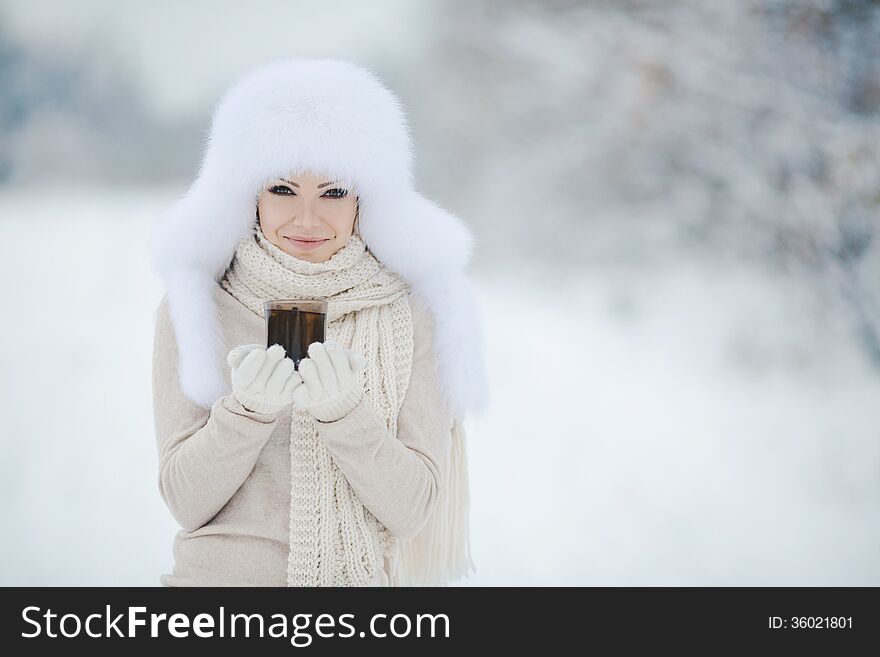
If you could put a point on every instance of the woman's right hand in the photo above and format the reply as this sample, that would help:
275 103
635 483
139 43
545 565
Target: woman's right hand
263 380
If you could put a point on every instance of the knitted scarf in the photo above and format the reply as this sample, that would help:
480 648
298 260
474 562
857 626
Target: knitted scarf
334 539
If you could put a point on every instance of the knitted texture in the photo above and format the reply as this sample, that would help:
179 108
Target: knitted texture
334 539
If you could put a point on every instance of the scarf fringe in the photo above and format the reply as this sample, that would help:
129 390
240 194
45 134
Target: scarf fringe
440 553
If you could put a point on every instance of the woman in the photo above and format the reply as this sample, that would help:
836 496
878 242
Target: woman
350 471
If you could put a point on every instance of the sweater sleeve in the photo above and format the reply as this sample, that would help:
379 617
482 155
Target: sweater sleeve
397 478
204 454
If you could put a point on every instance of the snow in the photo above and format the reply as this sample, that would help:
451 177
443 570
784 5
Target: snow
628 448
681 424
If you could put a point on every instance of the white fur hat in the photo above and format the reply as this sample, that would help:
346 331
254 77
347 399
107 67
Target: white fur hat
336 118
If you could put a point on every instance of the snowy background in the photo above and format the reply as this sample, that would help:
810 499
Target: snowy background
677 212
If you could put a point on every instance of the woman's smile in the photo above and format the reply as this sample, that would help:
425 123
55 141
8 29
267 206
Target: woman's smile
306 245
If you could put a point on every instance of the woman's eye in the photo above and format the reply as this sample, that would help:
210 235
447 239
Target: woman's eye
281 189
336 192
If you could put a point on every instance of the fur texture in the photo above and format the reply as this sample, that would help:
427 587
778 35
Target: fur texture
335 118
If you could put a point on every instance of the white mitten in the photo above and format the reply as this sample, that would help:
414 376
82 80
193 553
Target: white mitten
331 387
263 380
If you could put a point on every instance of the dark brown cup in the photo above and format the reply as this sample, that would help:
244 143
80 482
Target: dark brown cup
295 325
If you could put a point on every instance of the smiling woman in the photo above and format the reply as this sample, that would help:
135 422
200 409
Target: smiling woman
349 468
307 216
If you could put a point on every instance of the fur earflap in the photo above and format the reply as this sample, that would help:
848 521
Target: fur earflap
333 118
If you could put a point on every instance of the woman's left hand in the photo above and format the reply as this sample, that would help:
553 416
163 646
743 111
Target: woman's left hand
331 386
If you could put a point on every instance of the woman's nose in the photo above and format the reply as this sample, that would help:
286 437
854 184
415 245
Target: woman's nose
307 217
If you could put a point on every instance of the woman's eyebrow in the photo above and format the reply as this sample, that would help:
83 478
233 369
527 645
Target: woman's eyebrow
295 185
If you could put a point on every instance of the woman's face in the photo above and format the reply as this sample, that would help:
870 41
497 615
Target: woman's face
307 216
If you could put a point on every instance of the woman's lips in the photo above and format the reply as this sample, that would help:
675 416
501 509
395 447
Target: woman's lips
305 245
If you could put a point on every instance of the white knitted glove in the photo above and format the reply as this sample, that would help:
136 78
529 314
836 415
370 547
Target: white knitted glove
331 387
263 380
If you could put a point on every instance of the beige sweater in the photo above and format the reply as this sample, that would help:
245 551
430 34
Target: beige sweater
225 473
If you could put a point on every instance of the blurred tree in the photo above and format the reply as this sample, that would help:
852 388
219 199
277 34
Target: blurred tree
636 131
75 115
